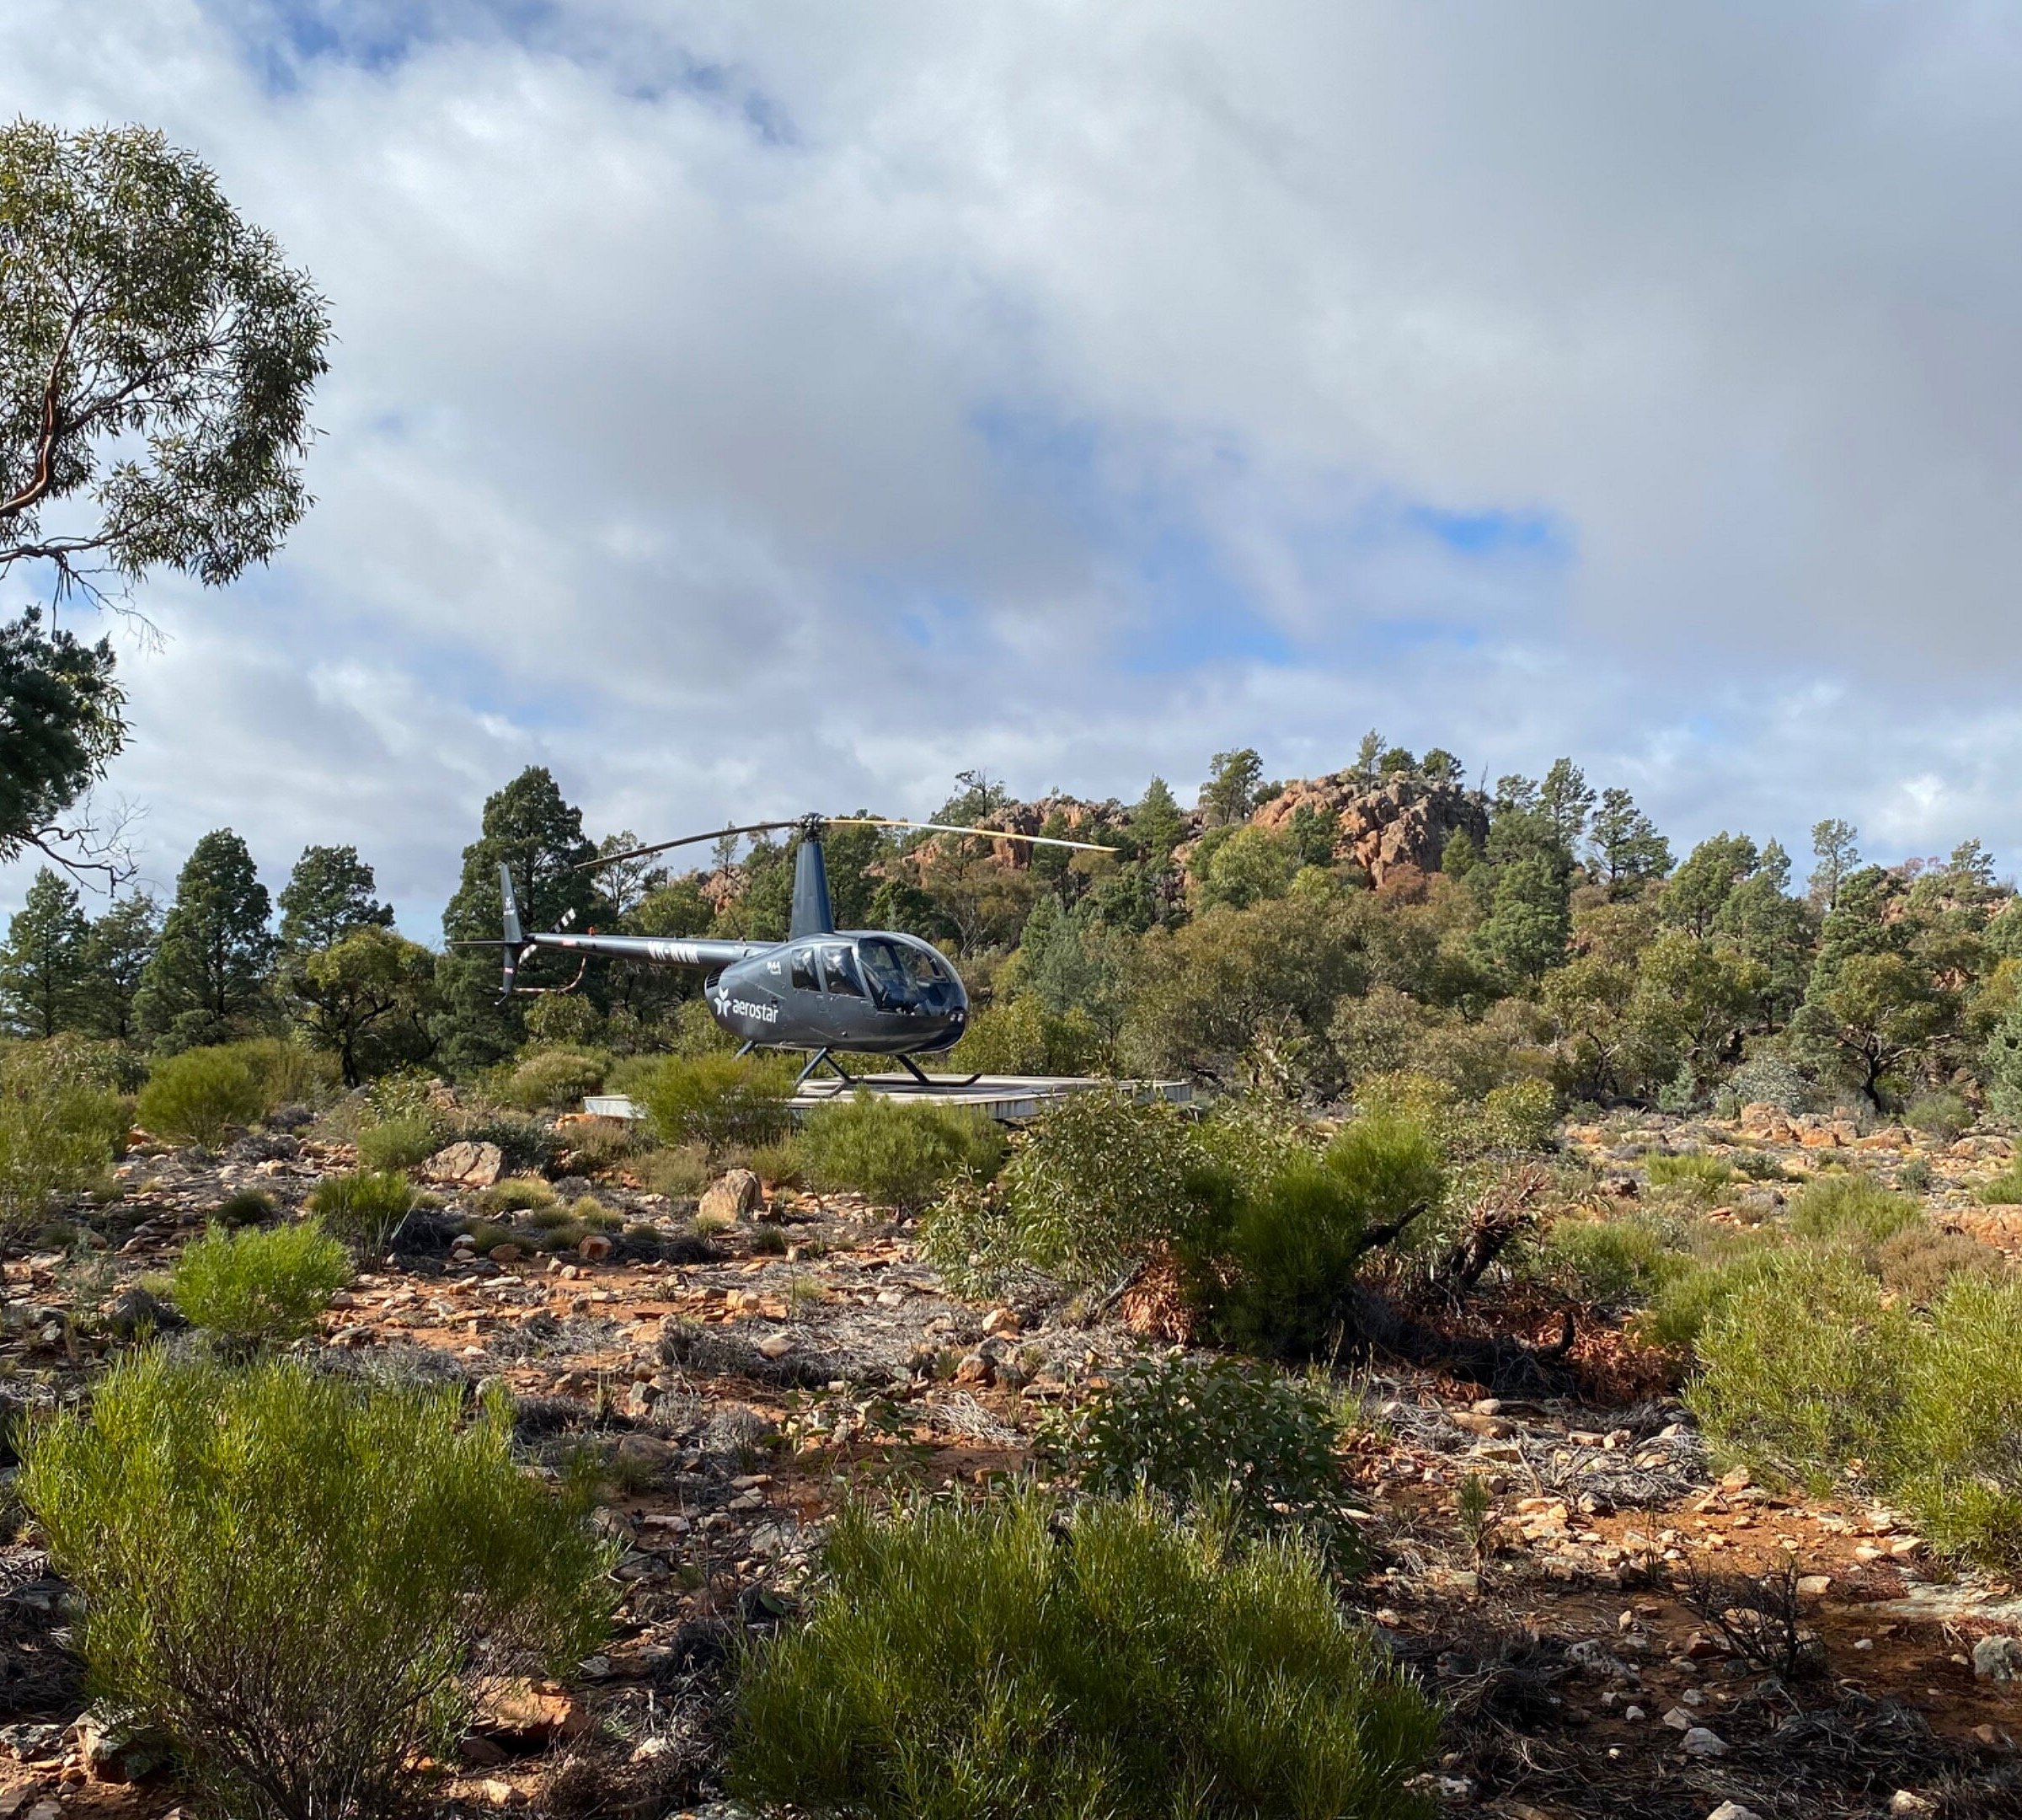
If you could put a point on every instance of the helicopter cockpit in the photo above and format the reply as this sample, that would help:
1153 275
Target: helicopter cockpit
906 976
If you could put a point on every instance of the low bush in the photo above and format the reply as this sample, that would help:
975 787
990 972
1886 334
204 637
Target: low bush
1854 1211
1916 1175
1939 1115
59 1133
779 1166
259 1287
1519 1115
1295 1243
289 1074
553 1080
196 1097
303 1580
598 1144
679 1174
1952 1450
515 1194
1702 1177
1617 1263
1101 1183
364 1207
1918 1262
404 1143
896 1155
1251 1443
1021 1036
1009 1658
529 1146
2004 1190
1803 1365
718 1100
249 1206
1759 1166
1706 1275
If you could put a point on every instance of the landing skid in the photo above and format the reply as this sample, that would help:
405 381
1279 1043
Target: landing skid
819 1057
912 1069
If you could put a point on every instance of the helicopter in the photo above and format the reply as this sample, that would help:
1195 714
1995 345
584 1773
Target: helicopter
876 992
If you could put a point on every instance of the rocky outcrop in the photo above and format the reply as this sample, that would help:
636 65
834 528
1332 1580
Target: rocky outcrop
1403 821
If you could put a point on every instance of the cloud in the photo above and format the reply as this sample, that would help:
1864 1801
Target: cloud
742 409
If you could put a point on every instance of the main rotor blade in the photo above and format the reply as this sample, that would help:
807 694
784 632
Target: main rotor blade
685 840
943 827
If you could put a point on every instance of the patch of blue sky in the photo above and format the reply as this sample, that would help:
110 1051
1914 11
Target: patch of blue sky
281 40
1492 532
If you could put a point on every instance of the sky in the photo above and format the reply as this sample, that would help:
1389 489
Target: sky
743 410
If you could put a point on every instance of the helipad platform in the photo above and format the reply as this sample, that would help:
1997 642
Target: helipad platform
1002 1096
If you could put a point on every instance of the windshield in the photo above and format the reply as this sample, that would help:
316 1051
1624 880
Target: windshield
902 977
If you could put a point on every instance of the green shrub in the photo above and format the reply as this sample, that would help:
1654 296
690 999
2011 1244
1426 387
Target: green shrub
679 1174
1102 1182
249 1206
779 1166
1519 1115
528 1145
964 1663
297 1576
196 1096
59 1133
590 1213
1701 1283
770 1241
400 1143
289 1074
717 1099
1254 1444
2004 1190
553 1080
1021 1036
1296 1244
1759 1166
1941 1115
1615 1263
1855 1211
1803 1365
1702 1177
602 1143
515 1194
1916 1175
1953 1449
259 1287
896 1155
364 1207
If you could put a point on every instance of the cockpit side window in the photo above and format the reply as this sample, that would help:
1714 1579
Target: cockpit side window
804 977
839 969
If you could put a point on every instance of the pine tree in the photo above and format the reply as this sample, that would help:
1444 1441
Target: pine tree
42 964
1230 790
121 944
1625 845
328 894
1157 824
1834 846
529 827
207 981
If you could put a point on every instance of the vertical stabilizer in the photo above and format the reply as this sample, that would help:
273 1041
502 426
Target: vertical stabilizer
515 939
811 913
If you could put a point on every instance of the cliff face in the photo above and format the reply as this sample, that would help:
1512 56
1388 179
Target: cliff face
1404 820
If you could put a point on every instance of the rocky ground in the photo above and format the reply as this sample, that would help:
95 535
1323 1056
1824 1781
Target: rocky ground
1610 1640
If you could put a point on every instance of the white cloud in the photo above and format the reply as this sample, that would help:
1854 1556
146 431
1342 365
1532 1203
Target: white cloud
745 408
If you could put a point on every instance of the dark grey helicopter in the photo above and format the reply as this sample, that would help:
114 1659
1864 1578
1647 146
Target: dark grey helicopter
878 991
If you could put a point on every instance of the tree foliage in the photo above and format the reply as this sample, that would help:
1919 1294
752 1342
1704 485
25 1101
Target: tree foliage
206 982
